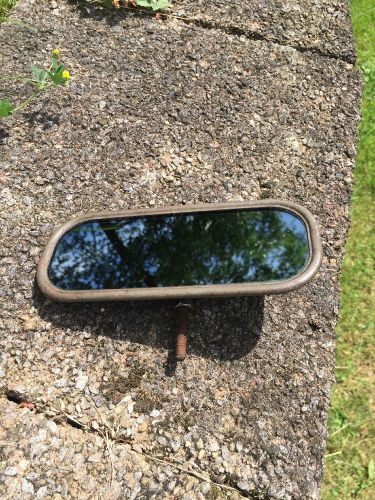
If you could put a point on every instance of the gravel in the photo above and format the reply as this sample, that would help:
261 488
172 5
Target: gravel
163 113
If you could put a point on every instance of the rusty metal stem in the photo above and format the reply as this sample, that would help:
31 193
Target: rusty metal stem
182 330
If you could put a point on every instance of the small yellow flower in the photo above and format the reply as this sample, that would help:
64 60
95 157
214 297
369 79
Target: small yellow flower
56 52
65 74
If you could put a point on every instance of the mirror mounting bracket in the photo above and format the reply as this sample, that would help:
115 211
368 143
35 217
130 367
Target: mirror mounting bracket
183 309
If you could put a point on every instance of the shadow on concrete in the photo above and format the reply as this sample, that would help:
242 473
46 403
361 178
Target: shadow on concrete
4 134
111 15
222 329
42 117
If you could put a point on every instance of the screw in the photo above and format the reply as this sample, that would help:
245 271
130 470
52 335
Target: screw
183 309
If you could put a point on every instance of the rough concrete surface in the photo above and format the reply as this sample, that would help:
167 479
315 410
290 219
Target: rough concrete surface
319 25
45 459
162 113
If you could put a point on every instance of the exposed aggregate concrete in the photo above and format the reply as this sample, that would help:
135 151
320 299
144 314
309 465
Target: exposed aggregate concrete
161 113
314 25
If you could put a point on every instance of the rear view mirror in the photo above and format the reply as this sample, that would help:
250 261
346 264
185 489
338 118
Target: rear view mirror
229 249
214 250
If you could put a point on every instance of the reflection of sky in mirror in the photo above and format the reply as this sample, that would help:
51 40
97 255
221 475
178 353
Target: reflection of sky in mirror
202 248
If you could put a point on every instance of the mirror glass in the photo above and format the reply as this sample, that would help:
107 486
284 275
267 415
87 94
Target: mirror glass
198 248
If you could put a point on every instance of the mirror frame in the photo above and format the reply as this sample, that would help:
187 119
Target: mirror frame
191 291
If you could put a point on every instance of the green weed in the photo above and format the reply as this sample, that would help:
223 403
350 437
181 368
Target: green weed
155 5
41 79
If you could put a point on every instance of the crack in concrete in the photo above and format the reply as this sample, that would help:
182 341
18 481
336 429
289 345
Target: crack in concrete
106 432
240 32
253 35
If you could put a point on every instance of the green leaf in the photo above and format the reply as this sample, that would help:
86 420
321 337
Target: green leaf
56 66
6 108
56 73
154 4
39 75
57 78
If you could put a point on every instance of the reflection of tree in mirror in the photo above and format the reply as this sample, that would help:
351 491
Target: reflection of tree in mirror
202 248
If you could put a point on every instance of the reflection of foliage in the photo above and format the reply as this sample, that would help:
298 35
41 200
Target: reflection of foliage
186 249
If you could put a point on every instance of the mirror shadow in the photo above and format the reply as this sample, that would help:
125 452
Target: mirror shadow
222 329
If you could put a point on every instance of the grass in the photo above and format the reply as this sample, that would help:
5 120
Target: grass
350 459
5 6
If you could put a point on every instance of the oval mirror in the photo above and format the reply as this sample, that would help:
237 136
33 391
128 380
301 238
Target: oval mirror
210 250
